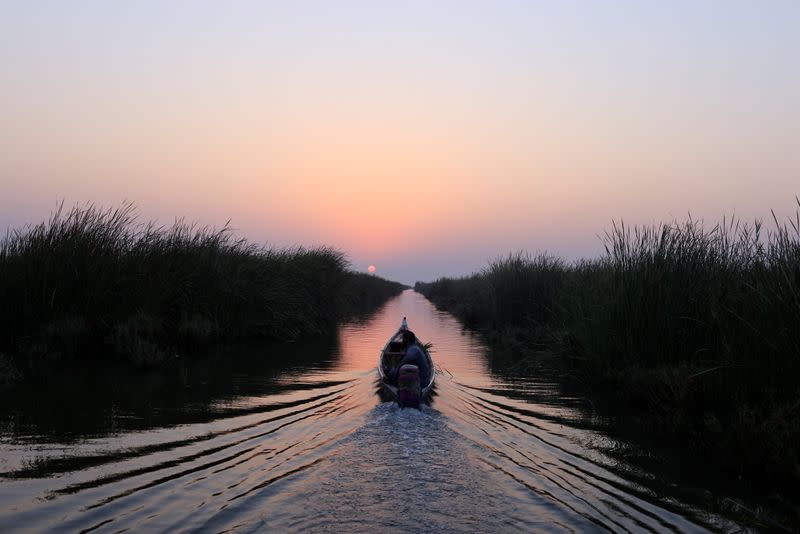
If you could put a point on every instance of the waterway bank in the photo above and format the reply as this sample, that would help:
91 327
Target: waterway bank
93 284
690 331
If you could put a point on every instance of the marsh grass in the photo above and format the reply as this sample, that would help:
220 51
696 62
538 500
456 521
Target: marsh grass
695 328
96 283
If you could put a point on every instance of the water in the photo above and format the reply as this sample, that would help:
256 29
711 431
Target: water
236 443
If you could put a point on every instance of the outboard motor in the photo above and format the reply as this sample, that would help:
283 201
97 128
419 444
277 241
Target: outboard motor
409 389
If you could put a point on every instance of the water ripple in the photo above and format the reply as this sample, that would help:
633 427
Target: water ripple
311 448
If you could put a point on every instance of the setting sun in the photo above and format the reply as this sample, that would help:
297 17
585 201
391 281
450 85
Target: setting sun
371 268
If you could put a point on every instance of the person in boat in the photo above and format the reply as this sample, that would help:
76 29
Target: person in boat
413 356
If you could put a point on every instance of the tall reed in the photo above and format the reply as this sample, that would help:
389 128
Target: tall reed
94 282
698 324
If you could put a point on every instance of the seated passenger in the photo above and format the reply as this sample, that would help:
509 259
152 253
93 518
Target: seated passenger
414 356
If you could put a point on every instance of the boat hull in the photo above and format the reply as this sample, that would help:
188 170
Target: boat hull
389 357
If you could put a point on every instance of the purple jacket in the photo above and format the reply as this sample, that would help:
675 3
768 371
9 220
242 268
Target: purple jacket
414 356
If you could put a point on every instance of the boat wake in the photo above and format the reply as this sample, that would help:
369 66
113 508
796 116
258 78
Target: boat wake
403 470
313 449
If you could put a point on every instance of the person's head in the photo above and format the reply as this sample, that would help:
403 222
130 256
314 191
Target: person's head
409 338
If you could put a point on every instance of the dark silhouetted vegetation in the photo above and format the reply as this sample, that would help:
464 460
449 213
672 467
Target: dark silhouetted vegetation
697 330
93 283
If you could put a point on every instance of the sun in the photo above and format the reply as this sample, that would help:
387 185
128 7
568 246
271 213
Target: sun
371 268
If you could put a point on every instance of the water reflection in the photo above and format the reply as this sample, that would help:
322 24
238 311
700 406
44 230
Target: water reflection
69 402
293 438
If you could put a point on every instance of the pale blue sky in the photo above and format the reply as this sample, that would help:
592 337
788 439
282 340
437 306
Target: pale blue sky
513 125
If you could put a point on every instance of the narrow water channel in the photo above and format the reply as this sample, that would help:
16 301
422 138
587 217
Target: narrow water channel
245 443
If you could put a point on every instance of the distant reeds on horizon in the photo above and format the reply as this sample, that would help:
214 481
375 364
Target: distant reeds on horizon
699 325
94 282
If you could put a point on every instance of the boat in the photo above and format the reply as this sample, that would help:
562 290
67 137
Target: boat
408 392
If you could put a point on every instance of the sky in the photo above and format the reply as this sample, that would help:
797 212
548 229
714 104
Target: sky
423 137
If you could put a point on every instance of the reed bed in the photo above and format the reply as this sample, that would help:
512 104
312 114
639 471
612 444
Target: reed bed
695 329
94 283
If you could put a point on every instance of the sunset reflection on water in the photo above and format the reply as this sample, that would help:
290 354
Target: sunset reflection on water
242 445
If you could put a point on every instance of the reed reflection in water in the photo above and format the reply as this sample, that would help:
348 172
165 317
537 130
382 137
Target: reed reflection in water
240 444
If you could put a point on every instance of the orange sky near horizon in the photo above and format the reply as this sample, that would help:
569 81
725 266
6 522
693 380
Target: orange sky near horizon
425 139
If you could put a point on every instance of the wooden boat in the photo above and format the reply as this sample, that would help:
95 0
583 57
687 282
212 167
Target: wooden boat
390 356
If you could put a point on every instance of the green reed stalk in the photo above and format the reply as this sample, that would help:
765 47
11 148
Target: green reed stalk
700 325
95 283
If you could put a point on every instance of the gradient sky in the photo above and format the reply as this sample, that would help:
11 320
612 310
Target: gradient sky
422 137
